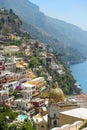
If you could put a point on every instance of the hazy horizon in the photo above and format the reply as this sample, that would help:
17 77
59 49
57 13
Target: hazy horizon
71 11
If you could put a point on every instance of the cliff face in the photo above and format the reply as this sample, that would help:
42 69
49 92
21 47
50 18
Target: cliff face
61 36
10 30
9 22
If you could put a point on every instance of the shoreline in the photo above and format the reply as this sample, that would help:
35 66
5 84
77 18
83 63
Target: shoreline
79 73
79 62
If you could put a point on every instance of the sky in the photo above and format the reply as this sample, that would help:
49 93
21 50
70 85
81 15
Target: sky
71 11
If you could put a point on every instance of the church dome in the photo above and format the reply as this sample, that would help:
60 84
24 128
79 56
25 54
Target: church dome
56 95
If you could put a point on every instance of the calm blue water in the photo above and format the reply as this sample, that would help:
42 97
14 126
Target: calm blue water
79 72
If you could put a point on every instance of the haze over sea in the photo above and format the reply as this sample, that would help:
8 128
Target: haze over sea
79 71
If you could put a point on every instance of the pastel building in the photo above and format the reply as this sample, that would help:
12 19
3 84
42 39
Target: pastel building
2 66
26 94
23 76
2 80
11 77
4 97
10 66
22 104
8 79
30 88
40 122
11 85
38 82
38 103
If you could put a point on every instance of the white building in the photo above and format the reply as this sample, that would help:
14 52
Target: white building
27 94
22 104
28 86
11 85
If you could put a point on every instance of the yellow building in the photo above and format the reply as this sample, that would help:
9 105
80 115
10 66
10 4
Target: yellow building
38 82
21 64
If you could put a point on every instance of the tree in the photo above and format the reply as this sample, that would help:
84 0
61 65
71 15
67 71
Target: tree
4 113
3 124
12 127
34 62
27 125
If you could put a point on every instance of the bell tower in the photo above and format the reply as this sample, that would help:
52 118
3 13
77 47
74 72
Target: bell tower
56 96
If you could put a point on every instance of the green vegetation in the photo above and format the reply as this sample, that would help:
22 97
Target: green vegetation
6 118
34 62
83 126
6 115
6 111
27 125
66 81
57 33
24 126
12 42
45 95
7 21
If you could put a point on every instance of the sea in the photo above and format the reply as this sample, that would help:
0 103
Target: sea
79 71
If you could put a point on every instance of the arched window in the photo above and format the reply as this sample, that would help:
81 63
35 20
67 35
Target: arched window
55 123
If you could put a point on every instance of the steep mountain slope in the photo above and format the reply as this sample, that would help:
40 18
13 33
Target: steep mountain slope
9 22
48 30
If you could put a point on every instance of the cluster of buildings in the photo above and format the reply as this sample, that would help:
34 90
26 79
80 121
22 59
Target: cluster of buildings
61 114
17 78
20 89
53 113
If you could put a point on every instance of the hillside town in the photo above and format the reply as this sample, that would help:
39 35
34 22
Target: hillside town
31 85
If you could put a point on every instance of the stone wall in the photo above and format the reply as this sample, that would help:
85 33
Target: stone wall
65 119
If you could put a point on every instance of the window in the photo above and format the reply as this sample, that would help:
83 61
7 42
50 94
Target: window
54 115
55 123
42 126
